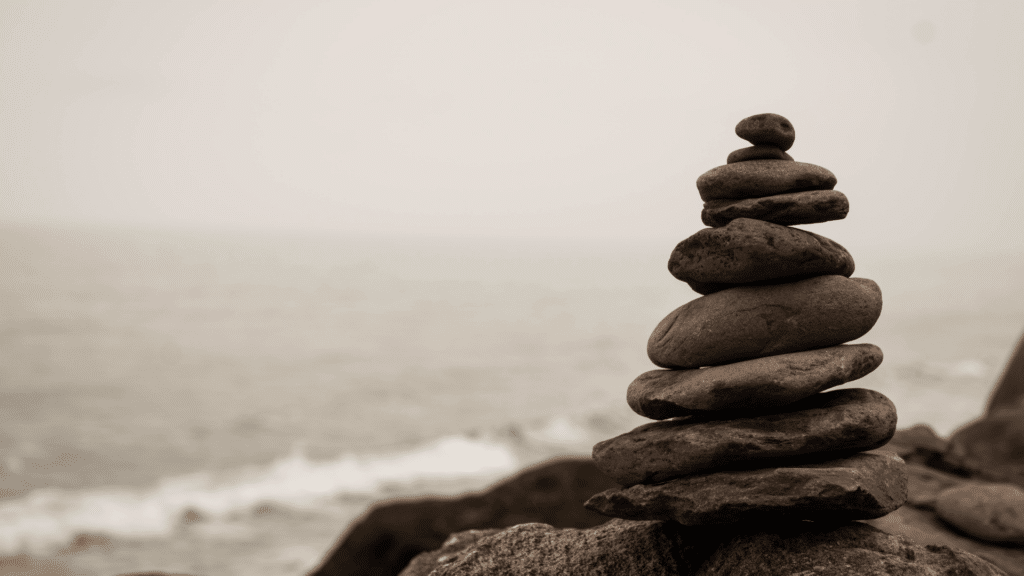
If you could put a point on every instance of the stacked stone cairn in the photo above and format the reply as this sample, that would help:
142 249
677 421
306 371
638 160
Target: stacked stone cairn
745 432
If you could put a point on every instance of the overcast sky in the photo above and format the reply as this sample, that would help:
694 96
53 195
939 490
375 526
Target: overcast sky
516 119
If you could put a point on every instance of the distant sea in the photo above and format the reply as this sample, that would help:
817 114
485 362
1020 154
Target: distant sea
227 404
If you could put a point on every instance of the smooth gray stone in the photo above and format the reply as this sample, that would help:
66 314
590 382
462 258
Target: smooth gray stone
752 386
988 511
757 321
767 130
747 251
828 424
758 178
859 487
787 209
758 153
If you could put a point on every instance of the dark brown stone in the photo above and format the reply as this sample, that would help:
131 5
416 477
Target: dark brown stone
758 178
919 444
1009 391
767 130
826 425
616 548
757 321
991 448
867 485
747 251
987 511
815 549
924 528
758 153
787 209
382 542
752 386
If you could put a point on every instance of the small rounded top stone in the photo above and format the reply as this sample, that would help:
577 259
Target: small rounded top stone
767 130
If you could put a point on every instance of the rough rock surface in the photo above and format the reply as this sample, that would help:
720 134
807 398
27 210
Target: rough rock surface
756 321
1009 391
757 178
746 251
767 130
824 426
751 386
927 483
787 209
616 548
991 448
866 485
424 564
987 511
923 527
383 541
758 153
849 550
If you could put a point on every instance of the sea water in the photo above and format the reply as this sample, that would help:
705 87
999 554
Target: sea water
229 403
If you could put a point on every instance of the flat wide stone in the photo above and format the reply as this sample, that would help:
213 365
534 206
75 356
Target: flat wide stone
835 423
752 386
757 321
859 487
746 251
758 153
807 207
758 178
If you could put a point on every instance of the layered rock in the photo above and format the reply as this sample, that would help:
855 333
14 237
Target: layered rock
748 433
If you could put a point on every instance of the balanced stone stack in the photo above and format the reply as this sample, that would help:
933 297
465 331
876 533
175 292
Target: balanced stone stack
745 432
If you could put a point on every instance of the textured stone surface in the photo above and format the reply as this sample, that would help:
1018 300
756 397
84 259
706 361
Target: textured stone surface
924 528
752 386
382 542
758 153
616 548
830 424
927 483
849 550
867 485
757 321
767 130
991 448
746 251
424 564
758 178
987 511
787 209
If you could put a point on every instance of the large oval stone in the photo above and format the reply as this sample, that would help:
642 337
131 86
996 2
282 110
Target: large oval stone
757 321
758 178
751 386
787 209
990 512
747 251
859 487
767 130
834 424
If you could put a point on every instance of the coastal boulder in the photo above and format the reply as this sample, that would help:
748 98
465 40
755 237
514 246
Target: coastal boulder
991 448
987 511
384 541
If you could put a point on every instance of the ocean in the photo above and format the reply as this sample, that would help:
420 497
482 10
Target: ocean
228 403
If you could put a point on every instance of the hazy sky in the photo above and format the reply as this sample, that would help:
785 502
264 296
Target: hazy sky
526 119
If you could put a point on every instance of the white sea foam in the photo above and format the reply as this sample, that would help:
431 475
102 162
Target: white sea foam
47 519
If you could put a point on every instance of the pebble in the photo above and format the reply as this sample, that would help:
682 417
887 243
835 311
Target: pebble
767 130
757 153
831 423
757 321
751 386
987 511
757 178
808 207
747 251
859 487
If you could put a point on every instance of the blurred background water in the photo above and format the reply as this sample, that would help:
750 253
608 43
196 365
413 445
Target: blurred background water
248 395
